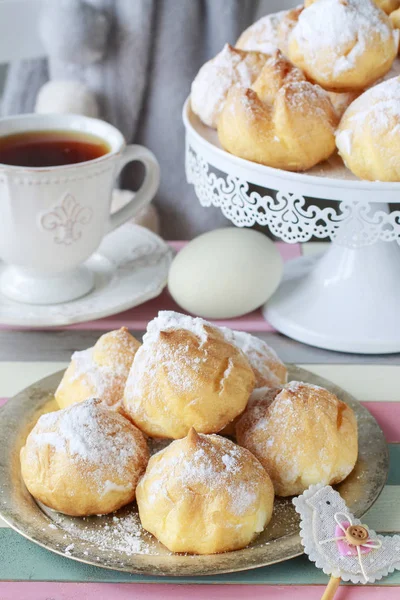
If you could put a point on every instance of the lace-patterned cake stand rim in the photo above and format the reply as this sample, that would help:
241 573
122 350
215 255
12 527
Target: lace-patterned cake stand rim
345 300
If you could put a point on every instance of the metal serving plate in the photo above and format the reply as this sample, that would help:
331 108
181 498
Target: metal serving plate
77 538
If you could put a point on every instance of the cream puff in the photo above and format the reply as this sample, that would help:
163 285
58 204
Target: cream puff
302 434
344 45
204 494
282 121
186 374
84 460
368 137
100 371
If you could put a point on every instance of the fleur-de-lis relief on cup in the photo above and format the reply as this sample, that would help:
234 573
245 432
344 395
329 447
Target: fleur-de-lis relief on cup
66 220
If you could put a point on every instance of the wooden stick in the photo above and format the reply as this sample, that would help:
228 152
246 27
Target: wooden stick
331 588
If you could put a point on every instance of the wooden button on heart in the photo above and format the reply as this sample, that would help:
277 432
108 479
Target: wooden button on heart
356 535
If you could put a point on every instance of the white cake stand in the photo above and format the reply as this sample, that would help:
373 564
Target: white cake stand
347 299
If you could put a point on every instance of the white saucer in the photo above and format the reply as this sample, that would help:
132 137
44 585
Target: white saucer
129 268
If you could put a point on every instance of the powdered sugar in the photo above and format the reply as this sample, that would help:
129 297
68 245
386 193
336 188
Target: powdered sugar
120 534
243 498
208 465
151 357
68 549
100 378
228 461
168 320
311 100
296 387
89 434
378 101
216 77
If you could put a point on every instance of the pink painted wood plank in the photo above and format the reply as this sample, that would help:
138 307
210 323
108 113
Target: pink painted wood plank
138 317
388 416
386 413
127 591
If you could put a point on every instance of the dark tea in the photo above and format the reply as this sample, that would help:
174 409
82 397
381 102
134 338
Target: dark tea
50 148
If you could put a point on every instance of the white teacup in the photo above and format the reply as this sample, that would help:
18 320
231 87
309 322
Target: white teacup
53 218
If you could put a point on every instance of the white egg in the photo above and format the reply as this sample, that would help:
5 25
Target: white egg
225 273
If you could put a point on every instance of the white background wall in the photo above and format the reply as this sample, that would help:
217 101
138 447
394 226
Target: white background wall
18 32
19 36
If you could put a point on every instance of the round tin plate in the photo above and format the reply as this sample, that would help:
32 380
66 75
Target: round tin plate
76 538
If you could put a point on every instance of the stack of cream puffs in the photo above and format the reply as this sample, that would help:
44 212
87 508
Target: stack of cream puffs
303 83
190 382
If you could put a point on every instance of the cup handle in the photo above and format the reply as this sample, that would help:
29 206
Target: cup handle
147 190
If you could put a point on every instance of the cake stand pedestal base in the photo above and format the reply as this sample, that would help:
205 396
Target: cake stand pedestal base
346 299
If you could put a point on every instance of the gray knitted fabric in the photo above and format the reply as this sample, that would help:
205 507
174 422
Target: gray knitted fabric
139 58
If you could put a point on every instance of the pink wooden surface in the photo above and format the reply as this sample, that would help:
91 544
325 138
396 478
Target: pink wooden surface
388 416
386 413
138 317
126 591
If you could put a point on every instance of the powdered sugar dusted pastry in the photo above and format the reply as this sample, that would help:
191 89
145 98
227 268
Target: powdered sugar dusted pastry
203 494
267 366
99 371
84 460
186 375
302 434
343 45
283 121
216 77
368 137
262 36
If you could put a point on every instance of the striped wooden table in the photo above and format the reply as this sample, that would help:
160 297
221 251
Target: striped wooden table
28 572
